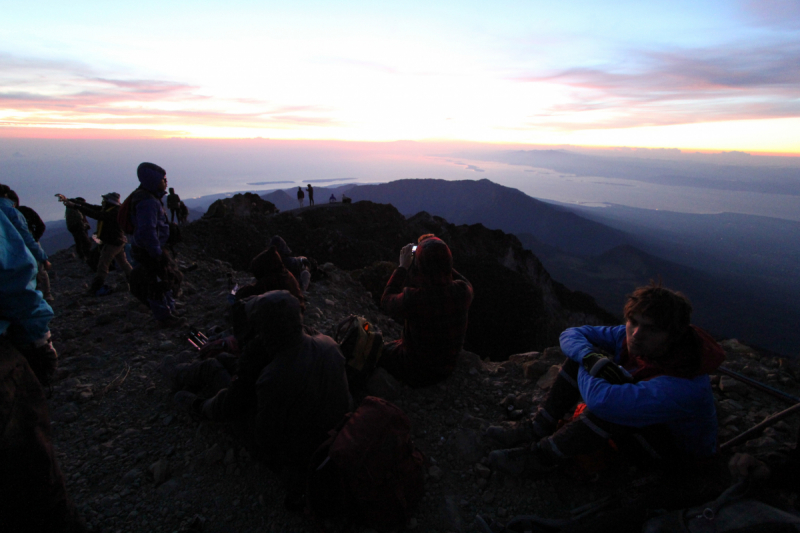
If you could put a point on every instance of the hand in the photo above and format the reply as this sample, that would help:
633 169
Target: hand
744 465
406 257
48 265
602 367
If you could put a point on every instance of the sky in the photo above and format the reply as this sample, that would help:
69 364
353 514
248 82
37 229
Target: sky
709 75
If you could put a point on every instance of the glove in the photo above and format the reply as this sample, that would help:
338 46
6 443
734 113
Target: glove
602 367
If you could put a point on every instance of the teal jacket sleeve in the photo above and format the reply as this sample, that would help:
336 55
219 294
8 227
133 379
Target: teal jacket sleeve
21 225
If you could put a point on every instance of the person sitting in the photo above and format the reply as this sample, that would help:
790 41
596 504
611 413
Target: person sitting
346 199
645 384
435 311
291 382
110 235
299 266
270 275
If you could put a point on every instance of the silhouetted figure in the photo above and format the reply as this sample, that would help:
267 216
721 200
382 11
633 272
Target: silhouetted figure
310 195
183 214
332 199
78 226
300 196
174 205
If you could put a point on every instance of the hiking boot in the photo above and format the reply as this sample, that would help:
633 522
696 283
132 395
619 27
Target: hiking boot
520 433
517 462
185 401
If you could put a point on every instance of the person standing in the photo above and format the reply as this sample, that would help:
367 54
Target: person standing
174 205
37 227
300 196
111 236
78 226
310 194
155 276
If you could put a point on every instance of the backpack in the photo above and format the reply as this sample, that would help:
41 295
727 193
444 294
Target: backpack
368 470
361 344
128 208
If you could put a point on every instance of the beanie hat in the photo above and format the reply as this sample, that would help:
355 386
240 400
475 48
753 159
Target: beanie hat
112 198
434 259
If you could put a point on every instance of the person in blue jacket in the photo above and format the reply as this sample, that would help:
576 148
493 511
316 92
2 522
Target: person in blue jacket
24 315
645 386
155 277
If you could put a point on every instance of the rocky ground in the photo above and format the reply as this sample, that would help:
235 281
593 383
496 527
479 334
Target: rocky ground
135 463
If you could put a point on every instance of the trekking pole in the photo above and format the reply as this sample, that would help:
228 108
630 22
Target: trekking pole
758 385
760 427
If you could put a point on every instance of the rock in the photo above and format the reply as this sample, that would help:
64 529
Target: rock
467 445
329 303
534 369
383 385
412 523
131 476
482 471
85 396
230 457
214 454
160 471
488 496
435 473
67 413
502 512
106 318
727 384
168 487
549 377
166 345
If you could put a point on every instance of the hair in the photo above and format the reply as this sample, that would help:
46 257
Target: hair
11 195
4 190
669 310
424 237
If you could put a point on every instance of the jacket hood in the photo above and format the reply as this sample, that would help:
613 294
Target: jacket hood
150 176
434 260
278 242
268 261
276 317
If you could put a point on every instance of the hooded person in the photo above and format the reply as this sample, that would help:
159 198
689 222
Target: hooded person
290 381
37 228
111 236
434 310
299 266
645 385
156 276
77 225
270 275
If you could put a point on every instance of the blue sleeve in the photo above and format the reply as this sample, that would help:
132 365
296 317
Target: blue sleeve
660 400
23 311
577 343
18 220
146 233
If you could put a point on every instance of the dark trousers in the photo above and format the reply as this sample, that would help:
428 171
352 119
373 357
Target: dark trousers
589 433
82 243
400 363
154 280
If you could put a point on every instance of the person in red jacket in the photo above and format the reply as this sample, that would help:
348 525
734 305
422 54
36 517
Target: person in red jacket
434 309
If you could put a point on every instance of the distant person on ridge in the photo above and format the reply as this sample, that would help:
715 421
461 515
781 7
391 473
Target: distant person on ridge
174 205
645 384
156 276
77 225
332 199
310 194
183 214
110 235
37 228
300 196
299 266
434 310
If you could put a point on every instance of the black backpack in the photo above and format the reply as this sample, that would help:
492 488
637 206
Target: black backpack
361 343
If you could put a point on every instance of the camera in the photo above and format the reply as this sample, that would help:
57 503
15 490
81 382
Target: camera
414 249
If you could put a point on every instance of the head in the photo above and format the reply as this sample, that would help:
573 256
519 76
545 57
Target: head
13 197
267 261
283 248
152 177
656 319
276 317
434 260
111 198
81 199
425 237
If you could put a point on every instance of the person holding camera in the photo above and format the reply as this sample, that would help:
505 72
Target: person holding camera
434 308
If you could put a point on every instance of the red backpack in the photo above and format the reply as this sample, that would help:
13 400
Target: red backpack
368 470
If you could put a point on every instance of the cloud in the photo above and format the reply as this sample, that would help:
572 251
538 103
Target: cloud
781 14
74 95
680 86
476 169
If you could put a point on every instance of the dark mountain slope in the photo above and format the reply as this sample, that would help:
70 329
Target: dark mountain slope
495 206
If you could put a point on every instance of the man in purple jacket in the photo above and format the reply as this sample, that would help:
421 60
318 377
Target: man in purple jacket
155 277
645 386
